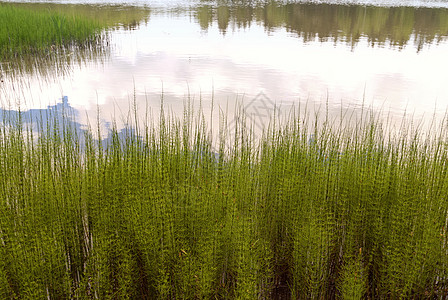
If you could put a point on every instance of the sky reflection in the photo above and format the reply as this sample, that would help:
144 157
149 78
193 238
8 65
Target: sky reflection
174 56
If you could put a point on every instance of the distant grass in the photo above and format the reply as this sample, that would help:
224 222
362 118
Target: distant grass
158 214
24 31
113 16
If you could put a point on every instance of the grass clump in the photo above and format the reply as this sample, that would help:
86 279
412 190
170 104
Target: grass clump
24 31
306 212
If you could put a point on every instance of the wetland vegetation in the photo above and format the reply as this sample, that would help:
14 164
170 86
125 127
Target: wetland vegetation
110 16
315 207
25 31
157 212
49 39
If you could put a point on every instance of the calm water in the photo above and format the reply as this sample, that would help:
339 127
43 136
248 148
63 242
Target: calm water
391 57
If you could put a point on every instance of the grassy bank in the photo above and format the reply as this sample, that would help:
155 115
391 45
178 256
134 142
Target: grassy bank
350 213
24 31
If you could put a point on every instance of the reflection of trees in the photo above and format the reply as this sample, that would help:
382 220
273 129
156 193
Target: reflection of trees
396 25
223 15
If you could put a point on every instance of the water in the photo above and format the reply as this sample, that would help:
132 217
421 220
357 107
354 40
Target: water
187 3
390 57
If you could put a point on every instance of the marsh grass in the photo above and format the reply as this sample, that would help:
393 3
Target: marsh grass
352 213
40 32
49 39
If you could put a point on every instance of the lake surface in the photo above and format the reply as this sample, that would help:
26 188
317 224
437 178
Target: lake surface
390 56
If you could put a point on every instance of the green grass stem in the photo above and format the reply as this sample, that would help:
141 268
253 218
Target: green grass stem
307 212
39 32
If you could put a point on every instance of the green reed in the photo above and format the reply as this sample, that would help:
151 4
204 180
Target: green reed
309 210
25 31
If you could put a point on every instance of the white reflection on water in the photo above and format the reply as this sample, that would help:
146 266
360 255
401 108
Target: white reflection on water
171 55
